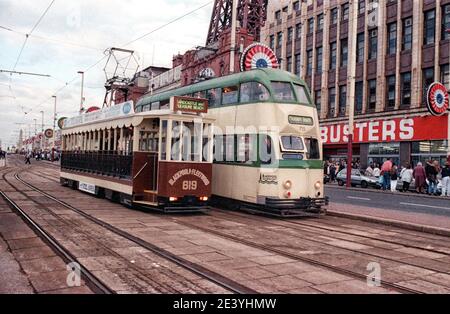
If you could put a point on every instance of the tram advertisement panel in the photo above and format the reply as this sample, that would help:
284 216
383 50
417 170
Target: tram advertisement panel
179 179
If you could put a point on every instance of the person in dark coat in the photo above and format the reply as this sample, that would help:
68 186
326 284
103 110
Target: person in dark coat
431 171
420 176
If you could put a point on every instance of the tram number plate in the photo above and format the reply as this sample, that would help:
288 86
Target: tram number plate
190 186
86 187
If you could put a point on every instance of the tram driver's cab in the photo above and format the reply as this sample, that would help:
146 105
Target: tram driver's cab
172 163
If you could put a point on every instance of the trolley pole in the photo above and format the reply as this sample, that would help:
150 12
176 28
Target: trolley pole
351 89
54 130
82 91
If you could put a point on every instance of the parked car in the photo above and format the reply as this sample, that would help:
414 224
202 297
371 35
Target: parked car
358 178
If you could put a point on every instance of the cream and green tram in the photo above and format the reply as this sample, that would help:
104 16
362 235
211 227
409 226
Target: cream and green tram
267 147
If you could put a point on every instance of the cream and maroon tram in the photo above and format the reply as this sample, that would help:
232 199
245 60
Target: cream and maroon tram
160 159
267 145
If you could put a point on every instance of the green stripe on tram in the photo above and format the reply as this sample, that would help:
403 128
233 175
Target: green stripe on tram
281 164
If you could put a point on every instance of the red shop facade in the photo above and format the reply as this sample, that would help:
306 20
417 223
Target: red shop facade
406 139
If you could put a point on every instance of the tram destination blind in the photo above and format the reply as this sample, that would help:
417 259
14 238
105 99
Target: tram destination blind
189 104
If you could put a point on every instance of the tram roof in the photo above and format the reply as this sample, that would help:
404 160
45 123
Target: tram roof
264 76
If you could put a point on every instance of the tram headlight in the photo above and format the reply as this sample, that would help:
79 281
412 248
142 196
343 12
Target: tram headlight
173 199
204 198
287 185
318 185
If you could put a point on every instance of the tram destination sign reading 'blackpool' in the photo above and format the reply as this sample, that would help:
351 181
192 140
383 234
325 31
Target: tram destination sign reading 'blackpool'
189 104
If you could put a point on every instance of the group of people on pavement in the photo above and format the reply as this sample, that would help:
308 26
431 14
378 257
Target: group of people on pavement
425 177
40 155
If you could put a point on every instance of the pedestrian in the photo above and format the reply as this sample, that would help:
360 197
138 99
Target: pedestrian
446 179
394 178
406 176
386 173
432 171
332 173
420 176
376 171
370 170
28 159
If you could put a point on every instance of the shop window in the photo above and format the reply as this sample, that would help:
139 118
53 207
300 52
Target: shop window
345 11
320 22
290 35
359 88
311 26
298 64
332 102
342 100
361 6
298 31
318 101
405 90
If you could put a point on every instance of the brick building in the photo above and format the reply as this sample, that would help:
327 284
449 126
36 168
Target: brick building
401 47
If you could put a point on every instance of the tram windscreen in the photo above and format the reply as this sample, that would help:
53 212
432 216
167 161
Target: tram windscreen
292 143
301 94
313 148
283 91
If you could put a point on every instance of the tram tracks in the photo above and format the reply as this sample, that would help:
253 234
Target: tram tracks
311 261
200 271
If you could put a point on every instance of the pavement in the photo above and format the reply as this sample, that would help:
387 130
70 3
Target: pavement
2 163
407 207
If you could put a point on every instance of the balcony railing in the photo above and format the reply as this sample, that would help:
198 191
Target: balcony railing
114 164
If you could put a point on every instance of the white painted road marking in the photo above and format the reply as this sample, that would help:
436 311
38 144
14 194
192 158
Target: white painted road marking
421 205
359 198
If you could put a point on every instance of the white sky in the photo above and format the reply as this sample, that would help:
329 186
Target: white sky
94 25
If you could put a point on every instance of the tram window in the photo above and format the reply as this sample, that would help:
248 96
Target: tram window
219 148
146 108
206 143
265 149
201 94
254 91
155 105
230 95
246 151
229 141
283 91
176 133
164 140
165 104
213 96
312 145
301 94
292 143
191 141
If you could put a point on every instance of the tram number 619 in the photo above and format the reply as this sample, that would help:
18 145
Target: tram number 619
189 185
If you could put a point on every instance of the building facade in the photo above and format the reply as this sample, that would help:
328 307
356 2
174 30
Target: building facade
399 47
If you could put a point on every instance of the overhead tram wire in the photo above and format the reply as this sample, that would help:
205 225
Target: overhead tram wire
127 44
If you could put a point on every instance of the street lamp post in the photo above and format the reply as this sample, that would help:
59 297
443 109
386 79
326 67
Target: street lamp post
351 99
82 91
54 131
42 130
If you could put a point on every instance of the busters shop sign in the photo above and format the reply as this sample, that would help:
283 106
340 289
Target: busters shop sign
392 130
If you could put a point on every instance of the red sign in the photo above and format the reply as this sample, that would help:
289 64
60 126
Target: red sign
437 99
392 130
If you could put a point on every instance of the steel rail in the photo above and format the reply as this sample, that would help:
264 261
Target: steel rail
91 279
201 271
